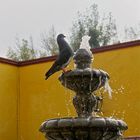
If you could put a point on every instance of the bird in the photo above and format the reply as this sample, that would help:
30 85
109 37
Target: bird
64 57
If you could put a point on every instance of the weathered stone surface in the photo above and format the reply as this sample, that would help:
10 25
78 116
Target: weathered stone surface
84 83
92 128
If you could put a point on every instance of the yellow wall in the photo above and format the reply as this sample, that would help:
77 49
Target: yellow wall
8 102
39 100
124 68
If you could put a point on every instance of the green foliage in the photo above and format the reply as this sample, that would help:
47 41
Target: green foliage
102 31
49 43
132 33
24 50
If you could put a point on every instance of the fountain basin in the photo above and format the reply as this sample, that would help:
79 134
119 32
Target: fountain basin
84 80
92 128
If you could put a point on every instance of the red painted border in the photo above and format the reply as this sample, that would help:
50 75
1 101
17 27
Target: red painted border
52 58
8 61
117 46
36 61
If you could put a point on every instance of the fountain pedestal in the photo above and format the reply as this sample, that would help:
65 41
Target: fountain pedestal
84 81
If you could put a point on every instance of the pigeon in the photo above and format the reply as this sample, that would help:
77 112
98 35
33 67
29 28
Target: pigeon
64 57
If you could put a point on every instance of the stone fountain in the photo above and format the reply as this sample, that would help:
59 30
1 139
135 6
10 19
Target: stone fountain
86 126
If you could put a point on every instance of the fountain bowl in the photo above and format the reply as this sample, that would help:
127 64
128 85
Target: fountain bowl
91 128
84 80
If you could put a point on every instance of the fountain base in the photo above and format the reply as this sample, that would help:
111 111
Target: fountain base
92 128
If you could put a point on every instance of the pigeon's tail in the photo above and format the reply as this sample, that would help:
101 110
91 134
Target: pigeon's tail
47 75
51 71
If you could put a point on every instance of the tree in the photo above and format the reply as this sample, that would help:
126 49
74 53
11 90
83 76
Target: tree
102 31
132 33
49 43
24 50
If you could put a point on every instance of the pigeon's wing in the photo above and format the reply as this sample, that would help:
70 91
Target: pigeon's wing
61 61
64 56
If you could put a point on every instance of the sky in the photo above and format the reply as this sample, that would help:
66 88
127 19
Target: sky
25 18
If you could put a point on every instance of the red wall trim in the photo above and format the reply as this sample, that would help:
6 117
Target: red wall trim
117 46
8 61
36 61
52 58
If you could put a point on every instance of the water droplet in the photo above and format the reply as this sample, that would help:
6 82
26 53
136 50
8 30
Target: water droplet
108 88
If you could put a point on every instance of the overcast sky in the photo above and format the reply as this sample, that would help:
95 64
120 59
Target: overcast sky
23 18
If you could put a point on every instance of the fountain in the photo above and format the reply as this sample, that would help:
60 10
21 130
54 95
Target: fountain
87 125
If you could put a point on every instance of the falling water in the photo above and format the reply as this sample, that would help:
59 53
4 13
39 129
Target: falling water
85 44
67 100
91 73
108 88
